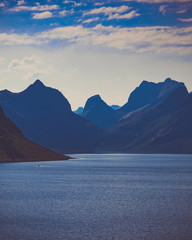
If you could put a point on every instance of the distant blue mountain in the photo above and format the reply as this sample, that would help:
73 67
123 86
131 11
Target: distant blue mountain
115 107
79 111
97 111
44 115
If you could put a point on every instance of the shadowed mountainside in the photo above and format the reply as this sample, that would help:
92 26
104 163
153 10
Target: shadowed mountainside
157 129
149 94
97 111
44 116
157 120
14 147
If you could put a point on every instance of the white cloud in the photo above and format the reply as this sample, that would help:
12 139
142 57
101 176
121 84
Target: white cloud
21 2
91 20
129 15
65 12
99 3
182 11
66 2
42 15
31 66
185 19
157 39
75 4
25 63
108 10
163 9
38 7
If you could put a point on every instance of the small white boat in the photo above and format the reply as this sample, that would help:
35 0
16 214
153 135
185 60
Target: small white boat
37 165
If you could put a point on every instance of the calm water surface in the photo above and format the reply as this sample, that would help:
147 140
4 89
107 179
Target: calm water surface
103 196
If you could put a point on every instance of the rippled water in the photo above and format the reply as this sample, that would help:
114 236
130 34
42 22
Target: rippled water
103 196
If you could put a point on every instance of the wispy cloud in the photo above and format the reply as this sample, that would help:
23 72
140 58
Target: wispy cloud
31 66
2 4
21 2
185 19
64 13
91 20
129 15
182 10
74 3
107 10
39 8
163 9
42 15
99 3
158 39
24 63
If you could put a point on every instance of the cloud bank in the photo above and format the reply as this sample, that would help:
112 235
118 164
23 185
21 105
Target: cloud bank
156 39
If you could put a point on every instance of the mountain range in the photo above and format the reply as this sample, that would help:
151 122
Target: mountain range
156 119
163 128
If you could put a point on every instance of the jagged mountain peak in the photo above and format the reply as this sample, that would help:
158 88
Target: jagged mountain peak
38 83
149 93
95 101
97 111
96 97
145 83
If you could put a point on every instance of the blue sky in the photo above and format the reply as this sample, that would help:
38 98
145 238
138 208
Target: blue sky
89 47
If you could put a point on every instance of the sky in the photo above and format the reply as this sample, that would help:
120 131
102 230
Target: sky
90 47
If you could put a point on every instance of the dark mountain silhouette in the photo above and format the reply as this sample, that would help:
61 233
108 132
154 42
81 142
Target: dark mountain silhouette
156 119
149 94
79 111
14 147
44 115
115 107
150 130
98 112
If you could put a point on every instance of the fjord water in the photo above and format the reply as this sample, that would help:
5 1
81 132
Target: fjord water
98 196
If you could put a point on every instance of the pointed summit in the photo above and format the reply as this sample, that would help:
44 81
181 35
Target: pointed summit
94 101
36 86
97 111
38 83
44 116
